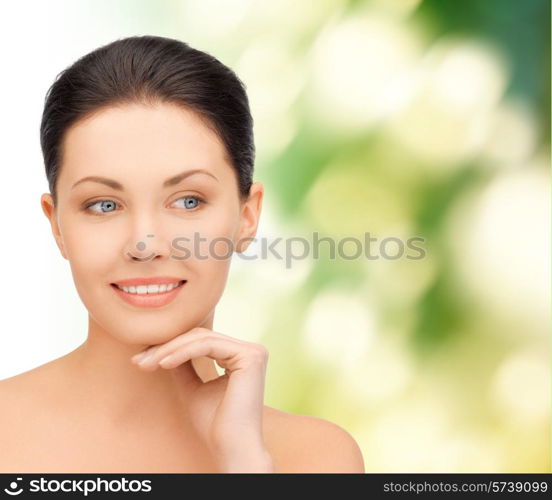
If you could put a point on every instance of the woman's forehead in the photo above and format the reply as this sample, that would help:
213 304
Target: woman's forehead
133 139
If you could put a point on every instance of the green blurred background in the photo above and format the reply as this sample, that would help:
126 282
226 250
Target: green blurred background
401 118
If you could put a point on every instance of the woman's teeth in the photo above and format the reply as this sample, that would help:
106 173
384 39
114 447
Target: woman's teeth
145 289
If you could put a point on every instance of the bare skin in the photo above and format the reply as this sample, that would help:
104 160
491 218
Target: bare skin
94 409
44 431
48 425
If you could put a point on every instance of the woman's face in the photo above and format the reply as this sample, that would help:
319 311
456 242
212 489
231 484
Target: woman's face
143 221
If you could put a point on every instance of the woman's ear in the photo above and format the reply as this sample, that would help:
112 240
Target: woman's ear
250 215
47 203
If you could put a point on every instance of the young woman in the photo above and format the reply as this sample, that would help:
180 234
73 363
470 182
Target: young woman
149 153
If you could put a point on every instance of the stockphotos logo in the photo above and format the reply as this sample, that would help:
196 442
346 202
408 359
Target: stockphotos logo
14 488
84 486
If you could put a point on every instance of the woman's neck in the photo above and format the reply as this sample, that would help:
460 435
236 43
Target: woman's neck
104 382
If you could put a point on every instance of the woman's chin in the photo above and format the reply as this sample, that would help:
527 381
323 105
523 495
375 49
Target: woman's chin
145 336
143 329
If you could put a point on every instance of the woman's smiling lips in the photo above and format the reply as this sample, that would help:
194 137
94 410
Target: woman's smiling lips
151 280
159 295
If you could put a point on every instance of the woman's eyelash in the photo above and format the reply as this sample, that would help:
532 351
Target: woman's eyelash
87 206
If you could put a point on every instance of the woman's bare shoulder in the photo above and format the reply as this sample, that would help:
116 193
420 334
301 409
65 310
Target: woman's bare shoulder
13 388
303 443
19 392
16 398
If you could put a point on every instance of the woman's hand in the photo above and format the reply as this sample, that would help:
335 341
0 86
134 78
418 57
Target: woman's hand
227 411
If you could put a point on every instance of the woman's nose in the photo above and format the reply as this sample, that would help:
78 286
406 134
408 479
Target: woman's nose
146 238
150 236
142 249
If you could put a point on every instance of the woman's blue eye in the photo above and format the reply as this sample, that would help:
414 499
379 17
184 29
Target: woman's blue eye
105 204
192 204
109 205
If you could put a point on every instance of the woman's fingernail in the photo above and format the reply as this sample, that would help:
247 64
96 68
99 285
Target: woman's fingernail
147 357
139 356
166 359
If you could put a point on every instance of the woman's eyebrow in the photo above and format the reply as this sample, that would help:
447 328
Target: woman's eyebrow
171 181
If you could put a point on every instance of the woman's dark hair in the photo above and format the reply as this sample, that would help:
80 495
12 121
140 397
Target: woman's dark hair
147 70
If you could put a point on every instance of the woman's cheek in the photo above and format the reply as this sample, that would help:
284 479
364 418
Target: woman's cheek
210 260
92 250
209 264
207 241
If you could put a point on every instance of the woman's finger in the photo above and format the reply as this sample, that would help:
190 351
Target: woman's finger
228 353
168 347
